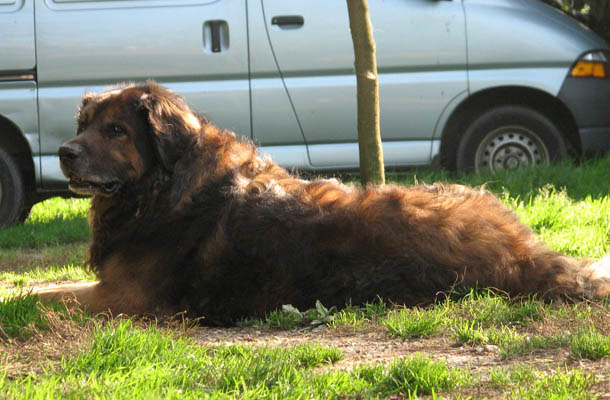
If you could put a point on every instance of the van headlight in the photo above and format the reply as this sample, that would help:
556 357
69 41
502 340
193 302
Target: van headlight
594 64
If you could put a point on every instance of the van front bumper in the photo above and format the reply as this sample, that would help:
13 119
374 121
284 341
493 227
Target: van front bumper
589 101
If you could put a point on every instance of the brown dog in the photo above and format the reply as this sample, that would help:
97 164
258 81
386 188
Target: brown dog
188 217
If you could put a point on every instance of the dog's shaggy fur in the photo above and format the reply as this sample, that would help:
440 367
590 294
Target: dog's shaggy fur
188 217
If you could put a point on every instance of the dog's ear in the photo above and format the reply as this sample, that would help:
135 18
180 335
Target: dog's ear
173 124
87 98
81 117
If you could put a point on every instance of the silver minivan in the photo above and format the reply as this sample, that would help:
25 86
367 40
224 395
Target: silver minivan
470 84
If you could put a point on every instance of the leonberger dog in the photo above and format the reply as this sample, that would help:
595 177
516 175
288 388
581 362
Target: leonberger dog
188 217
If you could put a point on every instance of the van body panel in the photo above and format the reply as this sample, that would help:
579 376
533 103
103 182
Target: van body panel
220 100
291 156
17 33
274 122
583 98
18 105
421 59
98 45
508 34
170 47
444 118
346 155
548 80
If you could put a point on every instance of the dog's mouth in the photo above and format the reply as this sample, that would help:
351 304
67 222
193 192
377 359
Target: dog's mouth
84 187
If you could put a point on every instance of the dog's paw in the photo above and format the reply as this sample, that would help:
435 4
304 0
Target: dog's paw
72 293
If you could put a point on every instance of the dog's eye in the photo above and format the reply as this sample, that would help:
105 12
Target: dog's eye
117 130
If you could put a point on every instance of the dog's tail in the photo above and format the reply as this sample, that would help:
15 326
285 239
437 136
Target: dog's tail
593 280
552 275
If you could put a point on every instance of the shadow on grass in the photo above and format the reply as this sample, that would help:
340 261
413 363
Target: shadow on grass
51 222
46 233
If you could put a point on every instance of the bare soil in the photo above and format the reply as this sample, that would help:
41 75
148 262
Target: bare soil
363 346
374 345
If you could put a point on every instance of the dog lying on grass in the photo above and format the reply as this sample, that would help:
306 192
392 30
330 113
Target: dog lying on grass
186 216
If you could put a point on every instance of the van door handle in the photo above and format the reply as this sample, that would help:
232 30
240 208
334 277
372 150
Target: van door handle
215 27
288 21
215 36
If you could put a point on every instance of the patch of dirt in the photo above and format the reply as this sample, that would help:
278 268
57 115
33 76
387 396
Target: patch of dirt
45 349
374 345
364 346
359 347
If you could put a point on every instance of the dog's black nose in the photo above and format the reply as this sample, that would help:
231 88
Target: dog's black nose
69 151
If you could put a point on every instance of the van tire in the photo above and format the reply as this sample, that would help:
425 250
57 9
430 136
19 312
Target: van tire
12 193
508 137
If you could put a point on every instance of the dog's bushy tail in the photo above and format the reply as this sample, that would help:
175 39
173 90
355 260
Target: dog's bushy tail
555 275
593 280
549 274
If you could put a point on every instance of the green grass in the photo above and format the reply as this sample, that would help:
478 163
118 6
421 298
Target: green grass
574 227
472 333
358 317
52 273
523 382
561 385
19 259
54 221
131 362
22 316
486 307
581 180
479 317
523 344
588 343
420 375
413 323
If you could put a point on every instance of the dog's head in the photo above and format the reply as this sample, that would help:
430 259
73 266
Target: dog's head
122 134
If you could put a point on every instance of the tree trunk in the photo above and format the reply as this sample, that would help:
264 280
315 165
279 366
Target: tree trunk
369 137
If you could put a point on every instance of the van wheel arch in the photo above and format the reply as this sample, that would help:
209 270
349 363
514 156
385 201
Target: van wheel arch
481 102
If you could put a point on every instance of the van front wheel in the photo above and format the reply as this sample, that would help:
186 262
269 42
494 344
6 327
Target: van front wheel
12 194
509 137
